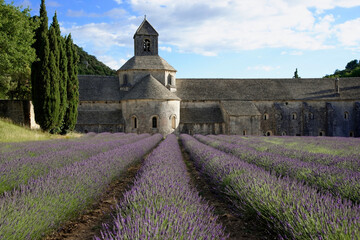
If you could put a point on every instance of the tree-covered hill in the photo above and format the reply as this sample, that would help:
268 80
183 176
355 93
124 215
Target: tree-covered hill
89 65
352 69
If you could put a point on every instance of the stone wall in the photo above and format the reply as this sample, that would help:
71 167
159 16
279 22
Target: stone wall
145 110
312 118
101 116
19 111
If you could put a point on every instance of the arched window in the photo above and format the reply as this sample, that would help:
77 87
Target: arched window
294 116
311 116
154 122
125 79
283 133
346 115
146 45
134 122
244 132
173 122
170 80
268 133
266 116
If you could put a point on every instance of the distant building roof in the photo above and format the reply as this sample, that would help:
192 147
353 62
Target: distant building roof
99 88
266 89
145 28
240 108
201 115
150 88
152 62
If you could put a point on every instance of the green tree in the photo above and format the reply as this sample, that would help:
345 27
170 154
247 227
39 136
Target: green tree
62 64
40 72
352 65
57 76
72 86
52 99
16 52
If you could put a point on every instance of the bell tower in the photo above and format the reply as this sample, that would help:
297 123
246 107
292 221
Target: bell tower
146 40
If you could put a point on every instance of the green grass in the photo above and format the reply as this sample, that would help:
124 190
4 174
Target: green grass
10 132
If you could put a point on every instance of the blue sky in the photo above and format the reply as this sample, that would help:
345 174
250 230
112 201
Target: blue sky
219 38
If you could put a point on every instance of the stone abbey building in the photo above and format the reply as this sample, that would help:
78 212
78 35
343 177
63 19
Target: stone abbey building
146 97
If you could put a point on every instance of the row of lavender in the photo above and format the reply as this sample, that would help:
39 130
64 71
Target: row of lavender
16 170
324 152
338 181
162 204
34 208
295 210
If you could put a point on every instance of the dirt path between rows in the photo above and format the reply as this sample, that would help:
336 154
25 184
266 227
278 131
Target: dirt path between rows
238 226
90 223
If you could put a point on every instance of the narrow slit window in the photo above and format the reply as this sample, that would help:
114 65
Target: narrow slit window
293 116
154 122
346 115
125 79
134 122
173 122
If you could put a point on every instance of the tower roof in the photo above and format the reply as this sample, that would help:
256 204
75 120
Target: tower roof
145 28
152 62
150 88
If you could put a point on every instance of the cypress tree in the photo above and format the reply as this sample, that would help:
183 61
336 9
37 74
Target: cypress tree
64 76
61 74
52 98
72 86
39 71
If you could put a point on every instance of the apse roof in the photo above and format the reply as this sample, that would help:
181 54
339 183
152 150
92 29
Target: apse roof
150 88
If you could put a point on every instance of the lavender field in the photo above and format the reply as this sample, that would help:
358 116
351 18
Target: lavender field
299 187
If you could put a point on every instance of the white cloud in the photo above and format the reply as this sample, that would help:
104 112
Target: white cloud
118 1
210 27
111 61
100 37
348 33
167 49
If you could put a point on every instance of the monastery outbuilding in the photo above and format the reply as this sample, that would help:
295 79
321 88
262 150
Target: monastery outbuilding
146 97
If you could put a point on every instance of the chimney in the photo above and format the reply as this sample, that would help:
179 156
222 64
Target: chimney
337 88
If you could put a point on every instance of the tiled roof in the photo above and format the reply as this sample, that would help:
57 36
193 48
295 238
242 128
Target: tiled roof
99 88
152 62
267 89
150 88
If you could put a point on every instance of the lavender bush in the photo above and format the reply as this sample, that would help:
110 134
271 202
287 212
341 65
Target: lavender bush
293 148
343 182
162 204
295 210
43 203
19 170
